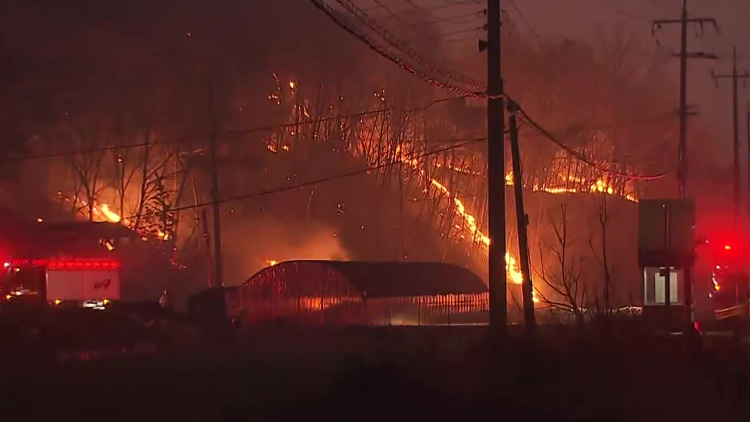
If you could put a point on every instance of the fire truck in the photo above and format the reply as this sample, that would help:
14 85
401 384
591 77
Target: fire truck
66 264
93 282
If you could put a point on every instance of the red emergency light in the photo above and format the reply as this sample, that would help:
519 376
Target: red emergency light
78 264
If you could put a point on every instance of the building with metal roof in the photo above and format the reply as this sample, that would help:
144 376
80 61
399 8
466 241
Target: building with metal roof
368 293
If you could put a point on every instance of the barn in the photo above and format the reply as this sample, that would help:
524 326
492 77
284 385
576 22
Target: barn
364 293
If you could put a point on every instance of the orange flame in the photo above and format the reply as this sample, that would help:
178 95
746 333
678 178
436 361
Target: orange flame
511 267
110 215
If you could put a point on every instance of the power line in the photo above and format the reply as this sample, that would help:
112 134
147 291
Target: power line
325 8
225 134
264 192
431 13
432 9
526 21
575 154
403 47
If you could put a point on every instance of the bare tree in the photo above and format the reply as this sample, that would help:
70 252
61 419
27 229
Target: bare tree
565 278
603 217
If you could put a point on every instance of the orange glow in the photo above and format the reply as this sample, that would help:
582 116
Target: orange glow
58 301
39 220
109 246
727 248
271 262
467 226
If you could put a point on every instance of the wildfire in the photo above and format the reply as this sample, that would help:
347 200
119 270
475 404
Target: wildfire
600 186
468 222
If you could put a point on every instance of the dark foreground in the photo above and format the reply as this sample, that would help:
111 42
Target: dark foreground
171 371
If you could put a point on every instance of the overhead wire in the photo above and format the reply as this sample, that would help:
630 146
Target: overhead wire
323 6
389 55
220 135
526 21
314 182
431 13
581 157
405 48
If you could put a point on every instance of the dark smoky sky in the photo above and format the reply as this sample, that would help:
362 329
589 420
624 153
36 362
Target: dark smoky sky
583 19
34 28
549 20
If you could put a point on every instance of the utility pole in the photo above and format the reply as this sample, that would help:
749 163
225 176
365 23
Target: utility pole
684 55
682 170
495 172
522 221
748 150
217 279
735 127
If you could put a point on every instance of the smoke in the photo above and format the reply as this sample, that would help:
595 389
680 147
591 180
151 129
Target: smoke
249 245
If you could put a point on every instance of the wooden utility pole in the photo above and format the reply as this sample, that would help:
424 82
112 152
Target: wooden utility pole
747 129
682 169
495 172
217 278
735 127
522 221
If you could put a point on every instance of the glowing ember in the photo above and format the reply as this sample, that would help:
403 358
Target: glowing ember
271 262
292 85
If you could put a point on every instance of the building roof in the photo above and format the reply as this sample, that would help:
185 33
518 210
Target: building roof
373 279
